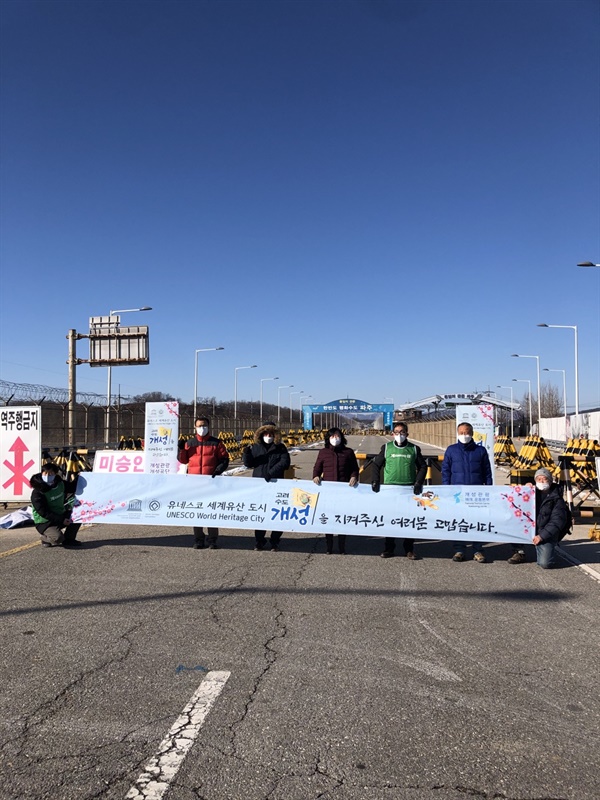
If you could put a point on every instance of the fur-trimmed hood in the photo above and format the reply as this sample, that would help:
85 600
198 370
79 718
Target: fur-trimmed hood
271 429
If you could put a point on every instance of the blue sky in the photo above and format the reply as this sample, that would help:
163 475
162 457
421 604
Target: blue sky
365 198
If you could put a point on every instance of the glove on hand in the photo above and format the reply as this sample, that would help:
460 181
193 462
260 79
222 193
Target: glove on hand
418 488
375 486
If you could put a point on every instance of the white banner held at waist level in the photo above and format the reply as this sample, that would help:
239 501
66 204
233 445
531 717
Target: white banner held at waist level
459 513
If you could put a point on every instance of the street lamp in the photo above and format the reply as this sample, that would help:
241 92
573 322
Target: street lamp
528 382
539 398
546 369
279 388
511 407
291 402
574 328
252 366
200 350
109 388
261 394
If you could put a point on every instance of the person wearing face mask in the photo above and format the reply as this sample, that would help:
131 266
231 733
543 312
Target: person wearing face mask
204 455
51 516
403 465
467 464
268 458
336 462
551 518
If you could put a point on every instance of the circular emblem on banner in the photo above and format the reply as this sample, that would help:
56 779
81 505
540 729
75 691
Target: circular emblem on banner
154 505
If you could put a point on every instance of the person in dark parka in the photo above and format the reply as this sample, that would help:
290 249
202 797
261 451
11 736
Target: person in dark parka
336 462
551 518
268 458
51 514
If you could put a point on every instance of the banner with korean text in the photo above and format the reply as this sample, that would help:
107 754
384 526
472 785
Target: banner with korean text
459 513
481 417
161 435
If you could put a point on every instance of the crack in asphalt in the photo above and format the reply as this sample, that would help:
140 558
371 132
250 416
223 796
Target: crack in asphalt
270 653
48 708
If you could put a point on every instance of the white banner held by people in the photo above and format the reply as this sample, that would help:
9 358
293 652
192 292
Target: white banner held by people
459 513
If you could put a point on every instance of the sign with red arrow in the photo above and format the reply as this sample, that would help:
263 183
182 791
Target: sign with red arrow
20 451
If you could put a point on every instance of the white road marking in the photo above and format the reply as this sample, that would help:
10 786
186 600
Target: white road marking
162 768
584 567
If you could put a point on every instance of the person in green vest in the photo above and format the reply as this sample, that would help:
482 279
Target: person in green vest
51 512
403 465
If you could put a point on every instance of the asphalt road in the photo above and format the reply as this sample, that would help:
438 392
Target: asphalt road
352 677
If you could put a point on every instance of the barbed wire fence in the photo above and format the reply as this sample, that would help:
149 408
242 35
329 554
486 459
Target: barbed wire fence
127 416
37 393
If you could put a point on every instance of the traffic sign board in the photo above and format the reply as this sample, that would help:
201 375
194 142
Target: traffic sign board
20 451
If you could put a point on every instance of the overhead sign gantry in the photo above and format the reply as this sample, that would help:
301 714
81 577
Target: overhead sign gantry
349 413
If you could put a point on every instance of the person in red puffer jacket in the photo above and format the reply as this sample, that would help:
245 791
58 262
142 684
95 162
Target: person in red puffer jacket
204 455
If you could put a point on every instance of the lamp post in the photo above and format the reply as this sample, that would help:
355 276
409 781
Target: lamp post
252 366
108 390
511 408
279 388
528 382
200 350
262 380
574 328
292 404
564 374
539 398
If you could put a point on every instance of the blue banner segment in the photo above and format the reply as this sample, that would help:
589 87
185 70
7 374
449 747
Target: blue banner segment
349 408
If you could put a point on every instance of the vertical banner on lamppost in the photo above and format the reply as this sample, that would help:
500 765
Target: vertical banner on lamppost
161 437
20 451
481 417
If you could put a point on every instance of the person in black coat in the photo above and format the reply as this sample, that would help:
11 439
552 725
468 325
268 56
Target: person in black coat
551 518
268 458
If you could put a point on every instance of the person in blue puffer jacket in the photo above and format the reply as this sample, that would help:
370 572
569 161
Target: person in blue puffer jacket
467 464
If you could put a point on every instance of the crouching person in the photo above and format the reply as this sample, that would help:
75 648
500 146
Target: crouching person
268 458
551 520
51 515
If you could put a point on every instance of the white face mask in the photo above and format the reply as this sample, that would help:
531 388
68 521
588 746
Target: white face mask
48 478
464 438
268 439
202 430
335 441
543 487
400 438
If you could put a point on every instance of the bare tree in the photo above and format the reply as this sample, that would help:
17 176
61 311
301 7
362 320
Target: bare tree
552 405
152 397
